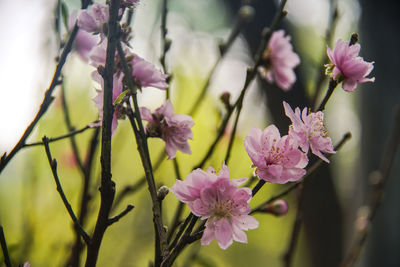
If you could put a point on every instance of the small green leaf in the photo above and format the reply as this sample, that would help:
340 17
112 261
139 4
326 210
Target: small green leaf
120 97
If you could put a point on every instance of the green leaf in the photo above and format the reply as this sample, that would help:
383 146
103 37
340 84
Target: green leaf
120 97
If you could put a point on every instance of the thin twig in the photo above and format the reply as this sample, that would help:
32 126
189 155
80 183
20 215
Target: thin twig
165 42
252 73
53 165
47 100
379 181
169 260
4 248
85 197
332 85
70 128
107 187
141 141
330 32
122 214
179 209
287 258
180 231
241 19
53 139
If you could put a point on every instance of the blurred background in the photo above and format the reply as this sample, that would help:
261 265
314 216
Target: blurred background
37 226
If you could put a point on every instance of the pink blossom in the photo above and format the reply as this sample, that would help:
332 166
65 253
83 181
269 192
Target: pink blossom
93 19
98 100
218 199
280 60
84 41
277 159
309 131
174 129
347 66
146 74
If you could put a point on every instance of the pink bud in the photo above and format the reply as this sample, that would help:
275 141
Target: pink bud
278 207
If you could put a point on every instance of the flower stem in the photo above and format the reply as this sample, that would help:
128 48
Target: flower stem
331 88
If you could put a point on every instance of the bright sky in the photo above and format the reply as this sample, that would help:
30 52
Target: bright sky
22 68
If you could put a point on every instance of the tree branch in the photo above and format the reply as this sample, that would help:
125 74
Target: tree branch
53 165
3 242
107 187
53 139
119 216
47 100
379 180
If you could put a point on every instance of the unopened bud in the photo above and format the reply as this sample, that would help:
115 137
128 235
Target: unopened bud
100 70
278 207
225 98
162 192
353 39
362 220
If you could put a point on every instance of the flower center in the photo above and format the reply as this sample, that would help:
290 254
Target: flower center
223 209
318 128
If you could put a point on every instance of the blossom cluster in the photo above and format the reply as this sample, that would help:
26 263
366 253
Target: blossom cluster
91 45
283 159
213 196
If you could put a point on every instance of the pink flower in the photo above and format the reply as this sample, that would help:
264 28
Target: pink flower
84 41
93 19
347 66
280 60
98 100
218 199
309 131
146 74
277 159
174 129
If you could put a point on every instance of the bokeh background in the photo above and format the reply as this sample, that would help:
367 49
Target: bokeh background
37 226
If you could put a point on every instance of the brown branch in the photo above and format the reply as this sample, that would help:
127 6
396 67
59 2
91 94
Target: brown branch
141 141
333 21
85 197
70 128
380 178
287 258
107 187
53 165
119 216
331 87
3 242
47 100
53 139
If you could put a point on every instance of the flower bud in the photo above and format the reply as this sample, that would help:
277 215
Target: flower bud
278 207
162 192
225 98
